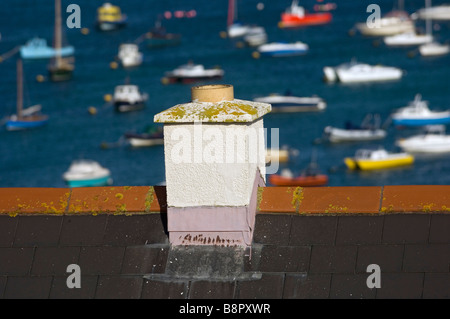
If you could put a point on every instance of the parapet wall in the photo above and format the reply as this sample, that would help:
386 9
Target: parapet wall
308 243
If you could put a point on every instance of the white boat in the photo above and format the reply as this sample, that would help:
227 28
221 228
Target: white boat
128 98
434 49
191 72
408 39
367 131
440 12
236 29
280 49
355 72
256 36
129 55
434 140
394 22
289 103
83 173
417 113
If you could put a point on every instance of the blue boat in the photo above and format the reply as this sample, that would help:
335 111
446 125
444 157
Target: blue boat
281 49
37 48
25 118
417 113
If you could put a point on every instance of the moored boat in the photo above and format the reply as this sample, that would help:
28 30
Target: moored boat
368 159
129 55
407 39
190 72
366 131
355 72
282 49
110 17
305 179
417 113
128 98
158 37
290 103
151 136
24 118
60 68
85 173
296 16
432 141
394 22
434 49
37 48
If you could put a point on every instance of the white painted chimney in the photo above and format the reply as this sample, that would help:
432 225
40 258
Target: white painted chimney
214 161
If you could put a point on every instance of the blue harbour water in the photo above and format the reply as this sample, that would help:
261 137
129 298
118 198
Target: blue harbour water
38 158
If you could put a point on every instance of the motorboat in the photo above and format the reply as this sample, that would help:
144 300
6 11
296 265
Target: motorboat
438 13
394 22
290 103
369 159
296 16
27 118
152 135
434 49
308 178
355 72
434 141
128 97
85 173
129 55
110 17
407 39
37 48
190 72
255 37
355 133
417 113
282 49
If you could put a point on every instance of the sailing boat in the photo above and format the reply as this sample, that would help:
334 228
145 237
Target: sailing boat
433 48
60 69
236 29
25 118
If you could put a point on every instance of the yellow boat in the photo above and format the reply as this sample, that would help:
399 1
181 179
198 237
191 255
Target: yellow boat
377 159
110 17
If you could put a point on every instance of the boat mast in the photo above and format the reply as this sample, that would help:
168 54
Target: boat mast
19 88
428 22
57 32
231 11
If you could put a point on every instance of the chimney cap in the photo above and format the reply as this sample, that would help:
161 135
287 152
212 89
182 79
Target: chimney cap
214 104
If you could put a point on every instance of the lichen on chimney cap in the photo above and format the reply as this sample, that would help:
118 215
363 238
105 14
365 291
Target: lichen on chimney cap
213 104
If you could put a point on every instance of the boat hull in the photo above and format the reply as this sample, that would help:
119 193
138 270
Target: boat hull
97 181
190 79
111 26
304 181
128 107
292 21
45 53
419 121
367 165
60 74
144 142
17 125
335 135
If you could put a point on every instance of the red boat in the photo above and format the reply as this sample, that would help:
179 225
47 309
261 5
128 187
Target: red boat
310 177
304 181
295 16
